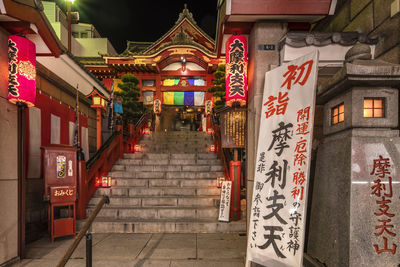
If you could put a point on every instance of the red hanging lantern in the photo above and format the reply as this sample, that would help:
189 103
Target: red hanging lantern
21 70
157 106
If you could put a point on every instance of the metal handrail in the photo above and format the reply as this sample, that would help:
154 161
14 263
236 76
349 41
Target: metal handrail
78 238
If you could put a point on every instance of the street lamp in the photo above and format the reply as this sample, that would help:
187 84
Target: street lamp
69 2
99 103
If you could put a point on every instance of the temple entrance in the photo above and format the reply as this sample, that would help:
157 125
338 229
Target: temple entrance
180 118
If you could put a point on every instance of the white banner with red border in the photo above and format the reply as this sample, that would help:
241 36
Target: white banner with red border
278 208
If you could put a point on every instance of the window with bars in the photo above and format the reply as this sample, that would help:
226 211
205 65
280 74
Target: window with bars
374 108
337 114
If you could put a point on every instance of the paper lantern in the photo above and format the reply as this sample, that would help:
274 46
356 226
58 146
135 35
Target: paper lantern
157 106
236 70
21 70
208 107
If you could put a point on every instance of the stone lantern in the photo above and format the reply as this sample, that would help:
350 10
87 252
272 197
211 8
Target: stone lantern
354 219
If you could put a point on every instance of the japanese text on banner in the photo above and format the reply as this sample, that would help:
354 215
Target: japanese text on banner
277 219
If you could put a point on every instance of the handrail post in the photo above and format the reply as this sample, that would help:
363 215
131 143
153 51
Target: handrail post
82 232
82 190
88 250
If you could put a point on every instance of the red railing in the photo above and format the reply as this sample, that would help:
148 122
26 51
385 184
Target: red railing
220 151
135 132
102 162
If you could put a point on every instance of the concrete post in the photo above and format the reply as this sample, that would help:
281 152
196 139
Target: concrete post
260 61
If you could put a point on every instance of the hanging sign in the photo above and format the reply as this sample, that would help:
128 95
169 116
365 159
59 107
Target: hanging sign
157 106
236 70
208 107
278 212
225 203
21 70
233 125
61 166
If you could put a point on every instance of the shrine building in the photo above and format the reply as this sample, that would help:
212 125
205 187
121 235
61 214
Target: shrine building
177 69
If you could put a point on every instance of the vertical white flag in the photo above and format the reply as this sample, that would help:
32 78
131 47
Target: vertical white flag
278 208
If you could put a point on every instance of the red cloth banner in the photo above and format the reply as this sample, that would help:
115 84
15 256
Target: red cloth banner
236 70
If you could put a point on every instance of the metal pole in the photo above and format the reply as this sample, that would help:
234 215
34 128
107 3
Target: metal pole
69 26
88 250
21 178
82 232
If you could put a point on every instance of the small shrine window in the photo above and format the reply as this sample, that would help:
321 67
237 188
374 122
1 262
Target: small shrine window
374 108
337 114
148 83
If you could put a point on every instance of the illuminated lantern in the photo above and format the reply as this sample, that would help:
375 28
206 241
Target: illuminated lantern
147 131
138 148
105 181
208 107
236 70
212 148
219 181
157 106
21 70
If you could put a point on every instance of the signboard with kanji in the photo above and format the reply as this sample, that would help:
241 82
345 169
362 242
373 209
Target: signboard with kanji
233 126
225 203
236 70
277 219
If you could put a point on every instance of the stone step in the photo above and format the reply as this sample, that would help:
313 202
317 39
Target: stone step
136 162
157 156
136 202
158 213
101 225
166 174
159 191
121 182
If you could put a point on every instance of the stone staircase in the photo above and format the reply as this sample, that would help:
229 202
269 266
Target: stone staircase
170 187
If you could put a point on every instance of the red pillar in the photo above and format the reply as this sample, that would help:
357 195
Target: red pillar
235 178
98 119
82 190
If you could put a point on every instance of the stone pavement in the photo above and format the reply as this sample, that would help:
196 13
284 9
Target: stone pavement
137 250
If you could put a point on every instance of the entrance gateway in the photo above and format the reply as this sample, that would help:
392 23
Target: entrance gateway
177 69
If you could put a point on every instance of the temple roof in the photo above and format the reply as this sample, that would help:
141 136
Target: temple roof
184 32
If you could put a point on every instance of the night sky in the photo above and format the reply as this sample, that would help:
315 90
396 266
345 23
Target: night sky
141 20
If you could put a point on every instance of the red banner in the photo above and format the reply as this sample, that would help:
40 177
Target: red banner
236 70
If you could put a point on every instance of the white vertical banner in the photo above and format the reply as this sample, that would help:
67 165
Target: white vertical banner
278 208
225 203
55 129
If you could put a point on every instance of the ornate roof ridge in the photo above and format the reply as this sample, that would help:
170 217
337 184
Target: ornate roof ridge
302 39
185 14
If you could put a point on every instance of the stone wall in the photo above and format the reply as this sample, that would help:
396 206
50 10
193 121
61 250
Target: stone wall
8 163
370 17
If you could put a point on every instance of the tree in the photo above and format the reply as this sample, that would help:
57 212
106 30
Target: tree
130 93
218 90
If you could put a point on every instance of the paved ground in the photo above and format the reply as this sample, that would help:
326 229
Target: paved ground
173 250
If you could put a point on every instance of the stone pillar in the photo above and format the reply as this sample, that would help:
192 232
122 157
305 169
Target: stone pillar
9 164
260 61
343 225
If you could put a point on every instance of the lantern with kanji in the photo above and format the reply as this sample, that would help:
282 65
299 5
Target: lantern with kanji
236 70
99 103
21 70
157 106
